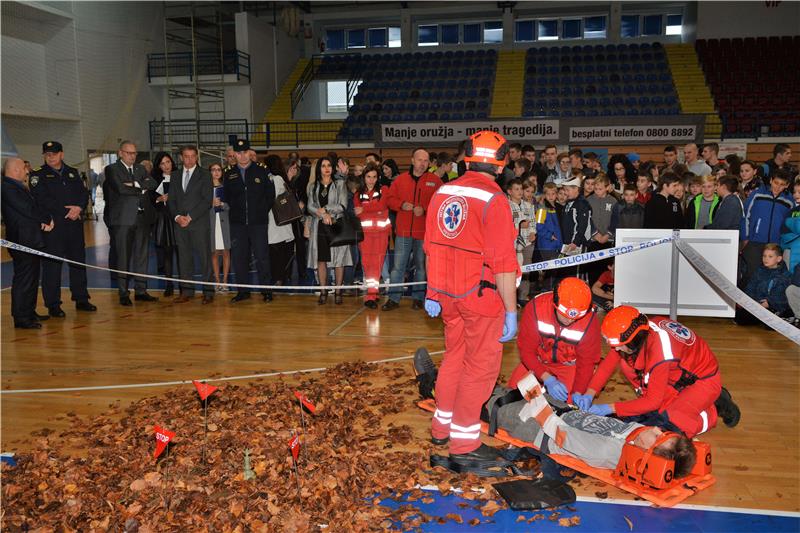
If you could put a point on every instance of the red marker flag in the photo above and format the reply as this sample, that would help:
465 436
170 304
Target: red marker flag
204 389
306 402
294 446
163 437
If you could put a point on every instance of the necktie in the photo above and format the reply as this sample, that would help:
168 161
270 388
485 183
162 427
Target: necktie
130 171
186 175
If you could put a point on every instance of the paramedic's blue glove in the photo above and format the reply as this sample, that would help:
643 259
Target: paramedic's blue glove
601 409
556 389
583 401
509 327
433 308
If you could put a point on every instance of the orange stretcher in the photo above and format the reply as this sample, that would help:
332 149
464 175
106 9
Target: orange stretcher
677 491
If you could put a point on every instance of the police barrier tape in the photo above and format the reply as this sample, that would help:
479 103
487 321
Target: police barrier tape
590 257
551 264
715 277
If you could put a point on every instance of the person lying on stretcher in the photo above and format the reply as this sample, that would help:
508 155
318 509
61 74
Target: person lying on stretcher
596 440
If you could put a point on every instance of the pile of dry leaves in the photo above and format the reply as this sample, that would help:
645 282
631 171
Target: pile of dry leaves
352 456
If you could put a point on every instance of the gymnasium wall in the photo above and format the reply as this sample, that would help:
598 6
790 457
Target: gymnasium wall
76 72
747 19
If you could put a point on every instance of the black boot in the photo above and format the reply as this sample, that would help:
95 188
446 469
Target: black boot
727 408
481 453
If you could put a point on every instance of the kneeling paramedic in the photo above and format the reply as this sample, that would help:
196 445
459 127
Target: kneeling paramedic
674 372
559 339
472 279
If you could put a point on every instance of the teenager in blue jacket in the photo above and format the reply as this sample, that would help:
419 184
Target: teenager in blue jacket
764 213
790 233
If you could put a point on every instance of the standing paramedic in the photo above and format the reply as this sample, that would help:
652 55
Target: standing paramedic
674 372
409 196
559 339
472 279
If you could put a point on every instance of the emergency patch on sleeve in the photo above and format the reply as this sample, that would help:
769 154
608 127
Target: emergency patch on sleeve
561 436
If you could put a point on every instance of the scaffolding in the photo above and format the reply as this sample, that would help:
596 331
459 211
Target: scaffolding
195 70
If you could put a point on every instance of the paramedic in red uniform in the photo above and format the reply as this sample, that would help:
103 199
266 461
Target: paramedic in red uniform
371 209
472 278
673 370
559 339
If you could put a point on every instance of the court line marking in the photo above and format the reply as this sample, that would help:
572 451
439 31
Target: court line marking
692 507
187 381
346 321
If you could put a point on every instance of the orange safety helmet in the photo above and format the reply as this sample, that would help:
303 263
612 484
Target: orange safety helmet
572 298
486 147
622 324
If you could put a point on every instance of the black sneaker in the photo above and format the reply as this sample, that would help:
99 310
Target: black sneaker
56 312
727 408
390 305
426 373
371 304
85 306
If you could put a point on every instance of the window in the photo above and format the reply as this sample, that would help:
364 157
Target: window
674 24
630 26
472 33
523 32
377 37
355 39
394 37
337 96
571 29
594 28
334 40
547 30
493 32
652 25
428 35
449 33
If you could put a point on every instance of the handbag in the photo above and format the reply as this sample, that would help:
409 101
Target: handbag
286 209
347 230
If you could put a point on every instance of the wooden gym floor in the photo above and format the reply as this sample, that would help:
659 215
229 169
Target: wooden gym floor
757 464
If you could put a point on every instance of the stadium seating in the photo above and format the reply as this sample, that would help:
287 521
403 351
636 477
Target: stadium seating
419 86
755 83
613 79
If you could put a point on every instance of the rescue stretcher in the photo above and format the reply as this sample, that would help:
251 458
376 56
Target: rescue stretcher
648 477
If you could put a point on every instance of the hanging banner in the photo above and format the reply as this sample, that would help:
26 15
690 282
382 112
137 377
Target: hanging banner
631 133
453 132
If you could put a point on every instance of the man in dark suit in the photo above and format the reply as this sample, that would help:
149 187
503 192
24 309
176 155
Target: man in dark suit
131 219
24 225
250 194
189 204
59 190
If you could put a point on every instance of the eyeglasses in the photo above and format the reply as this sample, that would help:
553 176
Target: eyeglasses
129 153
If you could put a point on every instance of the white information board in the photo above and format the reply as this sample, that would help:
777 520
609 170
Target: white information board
642 279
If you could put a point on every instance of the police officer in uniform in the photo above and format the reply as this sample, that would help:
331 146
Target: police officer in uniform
250 195
61 193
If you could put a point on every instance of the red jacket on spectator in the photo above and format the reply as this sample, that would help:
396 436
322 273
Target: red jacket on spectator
417 191
375 214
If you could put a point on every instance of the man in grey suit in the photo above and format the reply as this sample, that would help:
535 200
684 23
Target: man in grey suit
131 218
189 202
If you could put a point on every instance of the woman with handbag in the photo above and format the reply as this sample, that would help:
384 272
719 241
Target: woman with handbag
371 209
327 201
280 237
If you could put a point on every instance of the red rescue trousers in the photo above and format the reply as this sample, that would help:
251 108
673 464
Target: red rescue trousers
692 408
564 373
468 373
373 252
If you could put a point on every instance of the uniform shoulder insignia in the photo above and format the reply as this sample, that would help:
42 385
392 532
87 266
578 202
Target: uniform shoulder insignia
262 165
37 169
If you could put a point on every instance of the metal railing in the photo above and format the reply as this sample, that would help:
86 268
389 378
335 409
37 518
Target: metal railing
208 64
221 133
757 124
352 74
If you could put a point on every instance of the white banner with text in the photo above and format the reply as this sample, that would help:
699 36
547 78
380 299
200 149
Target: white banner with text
667 132
512 130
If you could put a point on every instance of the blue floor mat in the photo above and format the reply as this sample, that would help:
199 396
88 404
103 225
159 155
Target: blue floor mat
599 517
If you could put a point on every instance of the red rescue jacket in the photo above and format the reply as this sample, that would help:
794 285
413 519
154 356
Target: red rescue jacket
469 238
375 215
672 358
416 191
544 343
